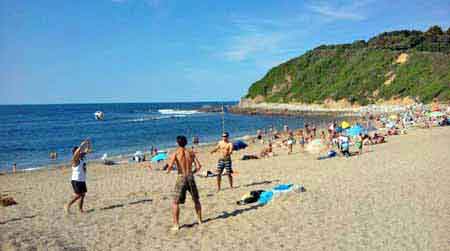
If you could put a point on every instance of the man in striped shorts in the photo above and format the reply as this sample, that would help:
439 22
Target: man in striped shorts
225 148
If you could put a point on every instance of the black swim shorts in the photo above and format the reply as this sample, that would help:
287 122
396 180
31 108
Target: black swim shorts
79 187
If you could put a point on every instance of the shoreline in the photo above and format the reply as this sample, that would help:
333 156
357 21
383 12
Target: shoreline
125 156
292 109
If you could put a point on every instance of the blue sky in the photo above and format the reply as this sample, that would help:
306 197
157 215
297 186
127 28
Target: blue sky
162 50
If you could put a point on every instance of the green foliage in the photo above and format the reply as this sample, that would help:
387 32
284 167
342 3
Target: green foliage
358 71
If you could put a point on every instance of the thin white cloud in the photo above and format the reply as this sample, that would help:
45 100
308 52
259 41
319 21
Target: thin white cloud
274 39
352 11
262 39
243 46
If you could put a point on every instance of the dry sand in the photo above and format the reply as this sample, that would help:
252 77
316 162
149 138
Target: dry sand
395 197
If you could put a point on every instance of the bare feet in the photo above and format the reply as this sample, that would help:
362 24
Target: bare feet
66 209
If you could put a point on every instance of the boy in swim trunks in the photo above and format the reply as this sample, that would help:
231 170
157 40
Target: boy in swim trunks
184 158
226 149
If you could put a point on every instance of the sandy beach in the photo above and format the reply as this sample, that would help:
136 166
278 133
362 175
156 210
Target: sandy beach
393 197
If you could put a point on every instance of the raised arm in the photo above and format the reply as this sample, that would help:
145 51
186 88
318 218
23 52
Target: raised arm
84 146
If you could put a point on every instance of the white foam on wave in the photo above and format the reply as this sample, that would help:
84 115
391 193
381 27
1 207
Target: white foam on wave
177 112
143 119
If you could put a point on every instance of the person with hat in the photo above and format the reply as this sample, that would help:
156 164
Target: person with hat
226 149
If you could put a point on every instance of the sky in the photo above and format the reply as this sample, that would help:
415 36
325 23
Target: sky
100 51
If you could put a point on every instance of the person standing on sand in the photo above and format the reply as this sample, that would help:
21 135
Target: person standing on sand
290 142
184 158
79 174
226 149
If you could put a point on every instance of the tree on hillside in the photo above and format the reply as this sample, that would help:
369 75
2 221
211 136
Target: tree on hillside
434 31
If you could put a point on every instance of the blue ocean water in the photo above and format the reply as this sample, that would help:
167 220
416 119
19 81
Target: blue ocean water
28 133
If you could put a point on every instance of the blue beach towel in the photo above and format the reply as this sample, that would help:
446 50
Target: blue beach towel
265 197
283 188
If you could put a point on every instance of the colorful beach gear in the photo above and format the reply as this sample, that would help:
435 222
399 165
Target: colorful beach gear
159 157
345 124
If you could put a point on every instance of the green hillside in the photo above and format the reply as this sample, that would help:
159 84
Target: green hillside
391 65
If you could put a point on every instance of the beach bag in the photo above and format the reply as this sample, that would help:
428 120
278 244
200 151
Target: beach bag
331 154
250 197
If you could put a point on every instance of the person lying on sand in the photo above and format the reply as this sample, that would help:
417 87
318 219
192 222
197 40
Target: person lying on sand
79 175
184 158
267 151
226 149
378 139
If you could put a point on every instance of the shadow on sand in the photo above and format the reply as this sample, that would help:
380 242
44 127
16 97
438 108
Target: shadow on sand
264 182
17 219
123 204
225 215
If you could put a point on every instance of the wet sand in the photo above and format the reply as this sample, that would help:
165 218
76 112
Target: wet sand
394 197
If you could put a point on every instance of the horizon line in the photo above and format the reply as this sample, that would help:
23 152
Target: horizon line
119 102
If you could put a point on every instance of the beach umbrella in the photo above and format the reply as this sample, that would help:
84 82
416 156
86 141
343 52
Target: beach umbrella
238 145
354 130
159 157
345 124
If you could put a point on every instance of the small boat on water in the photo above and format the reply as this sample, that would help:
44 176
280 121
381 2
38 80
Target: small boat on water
99 115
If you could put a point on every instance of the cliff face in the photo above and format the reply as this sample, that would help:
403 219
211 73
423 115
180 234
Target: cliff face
391 67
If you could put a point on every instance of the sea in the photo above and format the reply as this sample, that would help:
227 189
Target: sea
29 133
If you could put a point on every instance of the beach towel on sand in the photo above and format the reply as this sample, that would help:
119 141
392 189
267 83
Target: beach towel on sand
267 196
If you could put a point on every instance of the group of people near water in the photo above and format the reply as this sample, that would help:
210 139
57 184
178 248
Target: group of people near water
185 158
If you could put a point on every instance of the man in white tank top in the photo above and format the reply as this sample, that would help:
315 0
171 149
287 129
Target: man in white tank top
79 175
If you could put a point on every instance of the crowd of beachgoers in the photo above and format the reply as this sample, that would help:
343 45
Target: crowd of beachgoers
336 138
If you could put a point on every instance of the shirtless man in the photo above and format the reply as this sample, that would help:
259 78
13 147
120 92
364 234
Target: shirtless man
226 149
184 158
